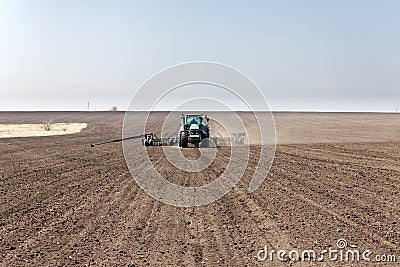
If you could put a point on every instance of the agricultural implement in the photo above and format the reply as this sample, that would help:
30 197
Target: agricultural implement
117 140
151 139
193 130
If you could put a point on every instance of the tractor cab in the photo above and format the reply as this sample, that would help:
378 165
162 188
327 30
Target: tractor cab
194 128
190 119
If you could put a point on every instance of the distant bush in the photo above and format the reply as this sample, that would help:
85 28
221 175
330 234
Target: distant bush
48 125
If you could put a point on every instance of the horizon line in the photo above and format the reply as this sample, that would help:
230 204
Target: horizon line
283 111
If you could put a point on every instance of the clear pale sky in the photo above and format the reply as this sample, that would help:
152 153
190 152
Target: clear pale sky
341 55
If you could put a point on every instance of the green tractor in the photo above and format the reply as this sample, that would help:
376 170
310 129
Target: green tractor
194 130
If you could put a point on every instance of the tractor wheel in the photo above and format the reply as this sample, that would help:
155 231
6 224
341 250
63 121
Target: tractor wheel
183 139
205 143
205 140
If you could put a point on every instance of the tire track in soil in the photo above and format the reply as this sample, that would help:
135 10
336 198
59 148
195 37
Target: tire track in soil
177 230
213 241
352 159
346 221
368 210
133 215
334 181
101 199
347 185
214 236
89 210
213 227
67 176
30 240
204 231
276 238
136 231
290 190
162 225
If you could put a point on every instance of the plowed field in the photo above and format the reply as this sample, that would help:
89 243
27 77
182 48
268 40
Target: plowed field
335 176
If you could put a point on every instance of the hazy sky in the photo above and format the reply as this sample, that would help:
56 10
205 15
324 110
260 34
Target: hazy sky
304 55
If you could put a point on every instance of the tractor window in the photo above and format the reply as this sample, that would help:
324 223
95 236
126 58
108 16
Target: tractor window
195 120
